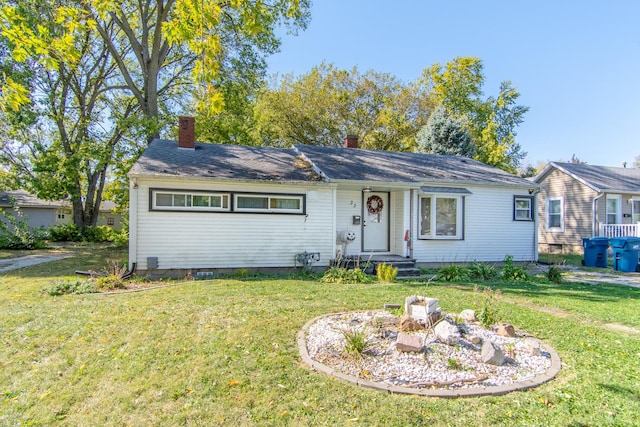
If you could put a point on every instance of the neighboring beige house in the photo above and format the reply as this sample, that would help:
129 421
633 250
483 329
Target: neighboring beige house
577 201
44 213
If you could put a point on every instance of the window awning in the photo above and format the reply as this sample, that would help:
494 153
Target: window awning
446 190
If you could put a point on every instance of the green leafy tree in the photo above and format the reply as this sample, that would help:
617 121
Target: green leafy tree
324 105
62 144
492 122
179 48
444 134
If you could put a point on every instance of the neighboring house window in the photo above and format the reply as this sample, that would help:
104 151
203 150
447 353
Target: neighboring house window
441 217
110 221
60 216
555 214
523 208
165 200
614 209
635 210
268 203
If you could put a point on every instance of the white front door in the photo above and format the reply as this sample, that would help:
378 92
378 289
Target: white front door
375 224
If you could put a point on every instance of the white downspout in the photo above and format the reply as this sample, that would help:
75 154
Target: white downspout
594 222
411 216
133 222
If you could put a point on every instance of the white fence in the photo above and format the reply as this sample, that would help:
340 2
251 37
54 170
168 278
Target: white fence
619 230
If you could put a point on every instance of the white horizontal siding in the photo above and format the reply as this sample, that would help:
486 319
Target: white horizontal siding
490 233
349 203
232 240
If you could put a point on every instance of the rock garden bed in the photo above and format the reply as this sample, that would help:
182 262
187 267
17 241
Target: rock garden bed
449 357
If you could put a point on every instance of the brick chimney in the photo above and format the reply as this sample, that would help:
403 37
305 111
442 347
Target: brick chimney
351 141
186 132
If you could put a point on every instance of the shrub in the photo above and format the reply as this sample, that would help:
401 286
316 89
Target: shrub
16 234
356 342
481 271
554 275
61 287
73 233
512 272
113 277
485 305
342 275
386 273
452 273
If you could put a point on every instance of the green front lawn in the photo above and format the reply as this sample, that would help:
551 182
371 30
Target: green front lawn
224 352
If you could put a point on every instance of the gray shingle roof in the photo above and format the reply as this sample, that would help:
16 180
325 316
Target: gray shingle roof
223 161
605 178
399 167
25 199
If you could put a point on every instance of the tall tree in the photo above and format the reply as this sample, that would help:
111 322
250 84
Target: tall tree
324 105
492 122
444 134
180 46
62 144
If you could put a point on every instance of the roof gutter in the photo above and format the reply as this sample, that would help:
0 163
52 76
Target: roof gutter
595 214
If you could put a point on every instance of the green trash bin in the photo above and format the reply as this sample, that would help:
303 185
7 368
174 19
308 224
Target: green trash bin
626 252
595 252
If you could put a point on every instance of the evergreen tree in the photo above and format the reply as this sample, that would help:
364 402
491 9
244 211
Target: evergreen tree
444 134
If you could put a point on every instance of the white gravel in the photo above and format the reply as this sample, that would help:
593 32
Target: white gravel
437 366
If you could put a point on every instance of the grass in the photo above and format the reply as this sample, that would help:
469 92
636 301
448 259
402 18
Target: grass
224 352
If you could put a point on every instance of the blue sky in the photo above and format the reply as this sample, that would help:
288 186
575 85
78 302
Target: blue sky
576 64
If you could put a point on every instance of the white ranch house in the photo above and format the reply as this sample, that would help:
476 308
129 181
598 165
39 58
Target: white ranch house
198 207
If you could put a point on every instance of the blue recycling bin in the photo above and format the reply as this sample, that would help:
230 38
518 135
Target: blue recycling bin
626 251
595 251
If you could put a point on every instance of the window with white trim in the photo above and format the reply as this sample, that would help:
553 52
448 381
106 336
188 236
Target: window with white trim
614 209
268 203
523 208
191 201
555 214
635 210
441 217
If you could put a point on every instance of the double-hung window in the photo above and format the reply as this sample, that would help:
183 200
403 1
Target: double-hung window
635 210
441 216
614 209
523 208
555 214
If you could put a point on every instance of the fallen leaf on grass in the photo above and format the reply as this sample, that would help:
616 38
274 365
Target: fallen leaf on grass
233 383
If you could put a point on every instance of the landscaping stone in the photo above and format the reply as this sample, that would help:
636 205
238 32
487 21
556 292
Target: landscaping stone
447 333
408 324
532 347
408 343
491 354
506 330
468 315
475 340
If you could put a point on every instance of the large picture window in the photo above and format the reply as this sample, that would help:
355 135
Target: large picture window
555 214
441 217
